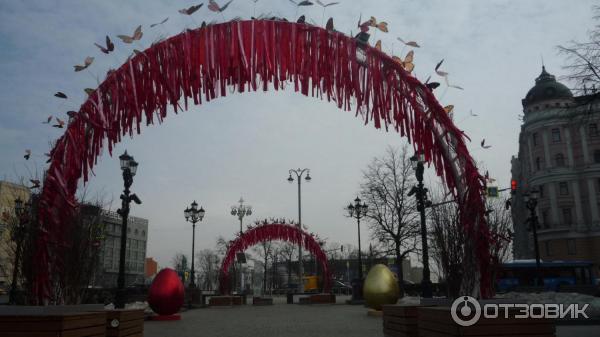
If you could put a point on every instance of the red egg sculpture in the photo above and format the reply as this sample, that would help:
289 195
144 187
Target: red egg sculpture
166 293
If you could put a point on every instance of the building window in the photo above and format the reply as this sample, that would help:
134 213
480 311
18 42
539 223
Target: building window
597 156
143 233
593 130
136 232
541 190
545 219
555 135
548 248
567 217
560 160
538 163
571 247
563 188
535 139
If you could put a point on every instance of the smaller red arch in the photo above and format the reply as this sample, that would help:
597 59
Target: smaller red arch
274 231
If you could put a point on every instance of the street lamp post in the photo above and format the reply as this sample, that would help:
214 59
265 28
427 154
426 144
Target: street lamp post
21 211
241 211
358 211
298 173
418 161
129 168
531 200
193 214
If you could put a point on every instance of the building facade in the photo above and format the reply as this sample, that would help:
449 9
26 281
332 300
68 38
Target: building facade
559 154
151 267
135 256
8 193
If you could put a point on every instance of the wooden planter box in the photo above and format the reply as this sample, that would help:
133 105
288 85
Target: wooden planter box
90 324
400 320
262 301
124 323
322 299
437 322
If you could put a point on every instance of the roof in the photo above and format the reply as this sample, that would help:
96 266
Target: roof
546 88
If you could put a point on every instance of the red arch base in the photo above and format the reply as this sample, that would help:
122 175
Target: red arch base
275 231
208 62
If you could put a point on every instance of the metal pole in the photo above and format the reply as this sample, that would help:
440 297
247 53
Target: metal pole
124 212
360 273
13 286
193 282
300 267
533 216
240 262
426 282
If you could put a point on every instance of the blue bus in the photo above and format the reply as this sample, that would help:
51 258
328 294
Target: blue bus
555 274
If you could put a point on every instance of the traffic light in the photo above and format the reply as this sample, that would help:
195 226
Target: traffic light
513 187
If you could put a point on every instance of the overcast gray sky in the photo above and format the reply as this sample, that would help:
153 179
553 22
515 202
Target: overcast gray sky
244 144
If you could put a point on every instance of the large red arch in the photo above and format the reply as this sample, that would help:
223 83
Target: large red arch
273 231
249 56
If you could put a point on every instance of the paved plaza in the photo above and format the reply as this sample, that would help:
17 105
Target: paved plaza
282 320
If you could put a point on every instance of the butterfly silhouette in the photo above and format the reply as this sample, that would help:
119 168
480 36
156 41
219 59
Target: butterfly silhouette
407 63
160 23
327 4
60 95
48 120
409 43
190 10
449 108
329 25
109 46
59 123
382 26
27 154
214 6
86 63
137 35
483 144
35 182
302 3
88 91
472 114
452 85
378 45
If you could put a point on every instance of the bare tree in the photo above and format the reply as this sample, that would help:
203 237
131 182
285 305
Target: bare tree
391 215
583 58
287 252
208 268
265 251
180 263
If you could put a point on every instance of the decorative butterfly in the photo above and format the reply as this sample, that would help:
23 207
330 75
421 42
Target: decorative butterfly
86 63
329 25
327 4
432 85
88 91
109 46
301 19
163 21
449 108
378 45
302 3
472 114
35 182
409 43
27 154
137 35
190 10
48 120
59 123
407 63
71 113
483 144
60 95
452 85
214 6
382 26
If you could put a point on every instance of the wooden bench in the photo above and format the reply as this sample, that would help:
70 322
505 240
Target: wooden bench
219 301
438 322
257 300
124 323
82 324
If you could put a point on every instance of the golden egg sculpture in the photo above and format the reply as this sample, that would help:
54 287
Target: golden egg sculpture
380 287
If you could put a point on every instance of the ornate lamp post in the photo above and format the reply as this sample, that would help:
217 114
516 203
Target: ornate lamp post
298 173
241 211
21 211
531 200
420 193
358 211
129 168
193 214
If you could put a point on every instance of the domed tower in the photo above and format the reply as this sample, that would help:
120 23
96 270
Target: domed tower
559 155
